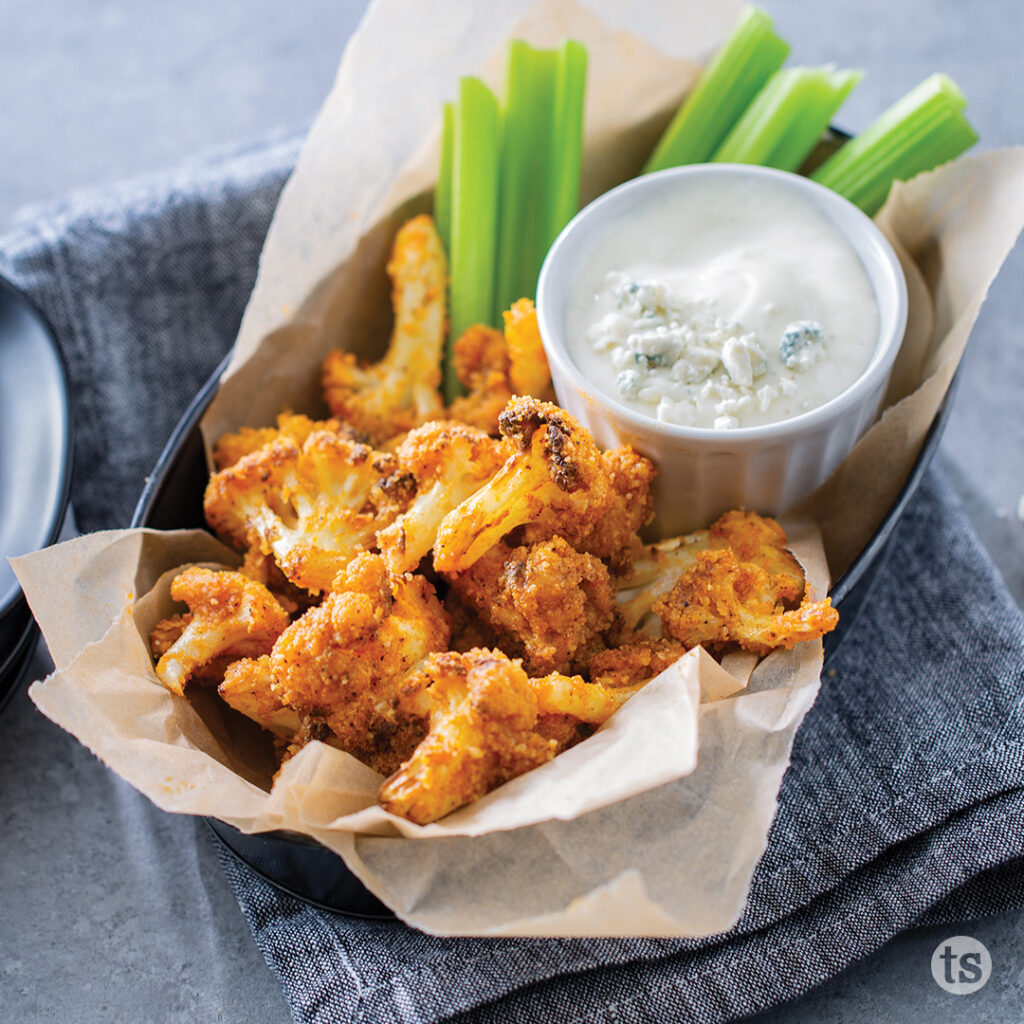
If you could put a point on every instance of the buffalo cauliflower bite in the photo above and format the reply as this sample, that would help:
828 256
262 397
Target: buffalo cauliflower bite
248 687
528 371
751 537
548 603
230 616
721 600
759 539
346 659
564 730
638 661
263 569
493 367
482 714
553 479
232 447
480 359
164 634
592 703
401 390
312 508
653 573
614 535
448 462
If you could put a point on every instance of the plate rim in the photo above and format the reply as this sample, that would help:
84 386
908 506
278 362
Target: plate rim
58 511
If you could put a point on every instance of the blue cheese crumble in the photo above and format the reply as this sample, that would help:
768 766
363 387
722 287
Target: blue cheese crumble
680 359
802 344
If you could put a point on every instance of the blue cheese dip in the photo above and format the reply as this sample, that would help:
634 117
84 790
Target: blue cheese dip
732 305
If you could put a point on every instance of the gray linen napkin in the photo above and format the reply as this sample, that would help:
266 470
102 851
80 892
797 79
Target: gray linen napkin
905 800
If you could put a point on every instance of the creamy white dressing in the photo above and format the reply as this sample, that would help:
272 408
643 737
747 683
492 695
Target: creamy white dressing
732 304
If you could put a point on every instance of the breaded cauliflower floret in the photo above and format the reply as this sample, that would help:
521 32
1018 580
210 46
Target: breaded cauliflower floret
401 390
553 479
636 662
653 574
528 371
233 446
449 462
493 367
592 703
263 569
347 658
751 537
480 360
564 730
630 507
483 716
229 615
721 600
759 539
548 603
313 508
248 687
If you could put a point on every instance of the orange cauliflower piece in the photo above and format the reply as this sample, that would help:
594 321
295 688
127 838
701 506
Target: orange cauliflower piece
549 604
552 478
636 662
232 447
229 615
614 535
401 390
480 359
720 600
528 371
592 703
482 719
449 462
554 482
494 367
248 687
314 507
759 539
346 658
751 537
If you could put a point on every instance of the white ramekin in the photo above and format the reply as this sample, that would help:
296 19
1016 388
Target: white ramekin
704 472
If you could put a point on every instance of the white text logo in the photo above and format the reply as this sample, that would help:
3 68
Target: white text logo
961 965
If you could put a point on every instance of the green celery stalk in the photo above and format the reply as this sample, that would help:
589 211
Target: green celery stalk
527 117
921 130
566 146
475 164
443 188
786 120
750 56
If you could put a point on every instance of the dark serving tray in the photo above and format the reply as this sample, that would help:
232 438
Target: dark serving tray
173 499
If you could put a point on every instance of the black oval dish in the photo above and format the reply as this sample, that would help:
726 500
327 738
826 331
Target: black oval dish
35 463
172 499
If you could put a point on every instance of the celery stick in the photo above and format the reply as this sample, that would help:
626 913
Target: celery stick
923 129
786 120
475 158
751 55
443 188
525 155
566 142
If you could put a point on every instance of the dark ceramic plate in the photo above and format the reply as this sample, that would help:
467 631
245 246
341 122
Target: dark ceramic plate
172 499
35 462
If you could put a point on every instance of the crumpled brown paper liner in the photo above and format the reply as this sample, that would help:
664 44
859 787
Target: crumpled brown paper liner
655 824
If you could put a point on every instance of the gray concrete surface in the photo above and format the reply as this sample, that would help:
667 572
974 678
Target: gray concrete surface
111 910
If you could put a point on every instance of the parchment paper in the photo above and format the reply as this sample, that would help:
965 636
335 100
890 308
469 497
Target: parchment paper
631 832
